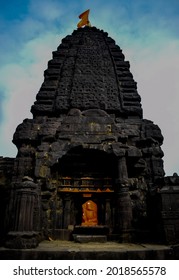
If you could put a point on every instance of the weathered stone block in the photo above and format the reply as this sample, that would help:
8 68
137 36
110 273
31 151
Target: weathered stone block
134 152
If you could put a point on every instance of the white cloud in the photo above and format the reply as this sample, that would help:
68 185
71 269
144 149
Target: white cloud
45 10
156 72
21 82
31 41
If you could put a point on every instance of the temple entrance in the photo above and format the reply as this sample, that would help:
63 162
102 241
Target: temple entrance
84 175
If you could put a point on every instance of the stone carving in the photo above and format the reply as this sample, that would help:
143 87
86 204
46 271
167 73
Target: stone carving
89 217
88 79
24 233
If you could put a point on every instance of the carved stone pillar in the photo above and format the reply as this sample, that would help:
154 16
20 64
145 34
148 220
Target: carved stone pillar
124 214
170 212
67 211
24 231
108 213
123 217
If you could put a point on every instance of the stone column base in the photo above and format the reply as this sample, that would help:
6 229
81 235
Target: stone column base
22 240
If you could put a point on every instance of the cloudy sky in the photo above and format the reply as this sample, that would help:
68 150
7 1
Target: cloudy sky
147 31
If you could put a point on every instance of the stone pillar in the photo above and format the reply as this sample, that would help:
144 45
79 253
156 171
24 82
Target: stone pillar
24 234
170 212
124 214
108 212
67 211
25 199
123 204
66 214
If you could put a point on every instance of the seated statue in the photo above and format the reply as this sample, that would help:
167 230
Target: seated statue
89 217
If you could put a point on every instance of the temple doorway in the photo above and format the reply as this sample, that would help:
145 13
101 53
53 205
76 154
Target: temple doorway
83 175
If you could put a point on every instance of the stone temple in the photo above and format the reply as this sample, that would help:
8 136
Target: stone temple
89 167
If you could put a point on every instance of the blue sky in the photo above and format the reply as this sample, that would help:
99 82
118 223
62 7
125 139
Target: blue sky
147 31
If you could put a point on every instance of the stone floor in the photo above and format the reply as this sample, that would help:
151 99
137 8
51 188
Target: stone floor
68 250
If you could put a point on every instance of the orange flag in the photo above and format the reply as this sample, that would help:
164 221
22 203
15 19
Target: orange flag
84 19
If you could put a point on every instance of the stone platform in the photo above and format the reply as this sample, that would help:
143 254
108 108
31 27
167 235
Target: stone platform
93 230
89 238
84 234
69 250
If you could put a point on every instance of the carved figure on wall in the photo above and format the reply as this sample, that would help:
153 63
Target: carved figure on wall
89 217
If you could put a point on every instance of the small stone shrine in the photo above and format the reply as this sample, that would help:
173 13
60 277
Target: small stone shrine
88 164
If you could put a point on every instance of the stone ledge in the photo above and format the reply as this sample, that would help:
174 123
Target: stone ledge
91 230
89 238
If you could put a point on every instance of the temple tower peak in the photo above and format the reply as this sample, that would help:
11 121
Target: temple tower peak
88 71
